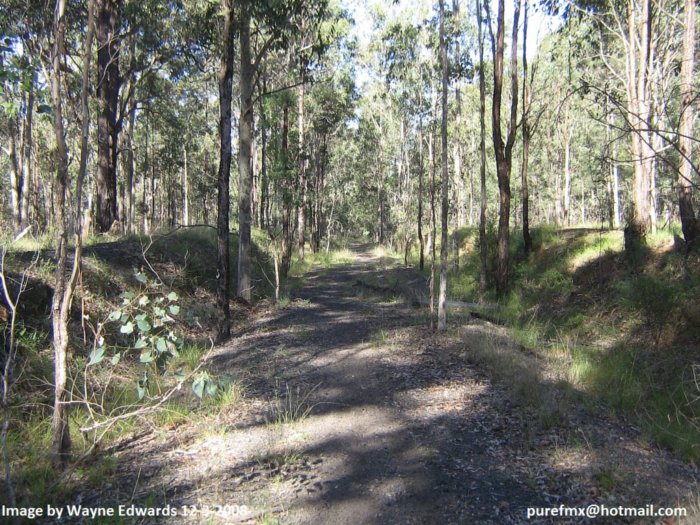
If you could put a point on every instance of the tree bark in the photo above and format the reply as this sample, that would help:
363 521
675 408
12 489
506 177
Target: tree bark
442 311
301 217
685 130
64 285
639 113
15 177
107 133
567 178
223 286
245 171
483 243
185 187
421 240
286 197
27 149
526 140
504 149
61 443
128 165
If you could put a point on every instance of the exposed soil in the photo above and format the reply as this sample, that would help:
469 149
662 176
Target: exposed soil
356 412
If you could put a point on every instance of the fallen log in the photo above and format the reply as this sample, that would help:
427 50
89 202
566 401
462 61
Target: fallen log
476 310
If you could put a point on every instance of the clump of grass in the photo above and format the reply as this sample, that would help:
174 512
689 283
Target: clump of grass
173 413
188 357
606 479
230 393
291 406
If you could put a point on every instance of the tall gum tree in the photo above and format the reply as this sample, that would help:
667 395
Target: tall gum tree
225 78
65 283
685 131
503 148
108 84
442 299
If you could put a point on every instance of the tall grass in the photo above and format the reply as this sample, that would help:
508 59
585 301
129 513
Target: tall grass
619 333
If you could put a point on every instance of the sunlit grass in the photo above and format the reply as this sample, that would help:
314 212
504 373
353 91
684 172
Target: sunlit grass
321 259
593 246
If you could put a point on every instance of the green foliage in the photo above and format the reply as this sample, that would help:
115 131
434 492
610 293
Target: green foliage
606 329
145 319
321 259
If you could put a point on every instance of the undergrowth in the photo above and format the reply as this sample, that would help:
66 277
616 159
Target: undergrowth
597 326
111 385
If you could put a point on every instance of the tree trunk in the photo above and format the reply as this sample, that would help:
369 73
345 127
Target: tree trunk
639 113
421 240
504 149
483 243
108 94
264 183
61 443
301 218
223 285
15 177
433 221
685 142
65 287
128 165
185 188
526 140
286 197
442 312
245 172
27 148
567 179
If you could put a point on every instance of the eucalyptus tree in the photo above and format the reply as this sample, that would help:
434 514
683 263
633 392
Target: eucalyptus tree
404 65
108 84
527 130
503 148
23 99
637 42
685 131
483 201
65 285
442 311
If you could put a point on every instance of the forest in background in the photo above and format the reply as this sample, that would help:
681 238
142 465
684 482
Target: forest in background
443 137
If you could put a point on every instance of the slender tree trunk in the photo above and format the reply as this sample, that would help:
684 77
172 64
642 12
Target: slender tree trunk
129 165
442 311
61 443
223 286
421 240
685 143
526 139
15 178
185 188
264 183
286 197
108 94
245 140
301 217
567 179
616 191
504 149
64 285
483 243
28 146
639 113
433 221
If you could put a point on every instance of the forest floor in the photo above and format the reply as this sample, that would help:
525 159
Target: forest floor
355 411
